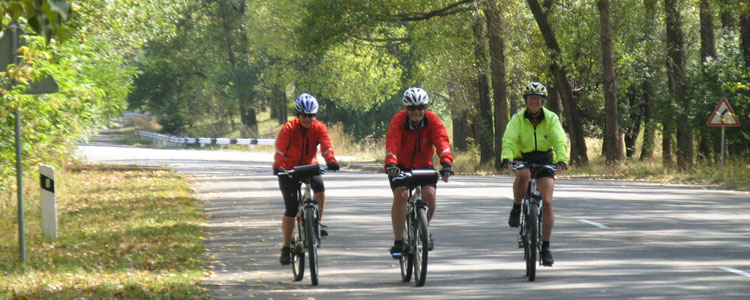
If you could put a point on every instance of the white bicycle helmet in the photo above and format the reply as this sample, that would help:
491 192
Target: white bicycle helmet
306 104
415 96
535 88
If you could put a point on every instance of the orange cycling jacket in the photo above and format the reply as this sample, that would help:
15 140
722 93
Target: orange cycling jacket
297 145
411 147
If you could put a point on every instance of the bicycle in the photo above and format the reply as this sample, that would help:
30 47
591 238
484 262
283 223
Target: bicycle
307 237
530 234
416 233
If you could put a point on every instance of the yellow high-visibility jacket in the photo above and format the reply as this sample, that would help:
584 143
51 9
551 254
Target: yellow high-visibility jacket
522 137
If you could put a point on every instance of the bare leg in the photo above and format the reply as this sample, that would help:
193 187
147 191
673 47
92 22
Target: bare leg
287 228
546 187
321 199
398 212
429 196
520 184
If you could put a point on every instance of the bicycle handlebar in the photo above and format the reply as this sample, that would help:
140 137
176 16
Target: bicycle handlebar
304 171
522 165
418 175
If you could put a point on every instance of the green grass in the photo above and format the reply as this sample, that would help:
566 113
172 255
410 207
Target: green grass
125 232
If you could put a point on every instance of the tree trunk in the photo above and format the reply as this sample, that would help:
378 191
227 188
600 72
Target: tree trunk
676 72
666 144
649 124
279 103
460 130
708 49
708 41
553 102
613 147
745 35
460 118
497 66
251 123
632 131
578 155
649 130
485 134
727 16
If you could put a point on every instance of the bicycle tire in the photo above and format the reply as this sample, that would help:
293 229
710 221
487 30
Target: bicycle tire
406 261
533 237
311 243
422 241
298 254
524 235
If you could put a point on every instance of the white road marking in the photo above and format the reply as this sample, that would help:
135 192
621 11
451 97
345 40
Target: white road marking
733 270
593 223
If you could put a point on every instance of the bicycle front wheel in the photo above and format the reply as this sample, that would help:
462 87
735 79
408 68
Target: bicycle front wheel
406 260
421 239
532 234
311 242
298 254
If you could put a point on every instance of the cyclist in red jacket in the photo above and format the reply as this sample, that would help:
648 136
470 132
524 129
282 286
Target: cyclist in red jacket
296 145
412 134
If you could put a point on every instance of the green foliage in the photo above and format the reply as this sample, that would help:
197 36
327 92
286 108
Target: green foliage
91 70
723 77
46 17
357 57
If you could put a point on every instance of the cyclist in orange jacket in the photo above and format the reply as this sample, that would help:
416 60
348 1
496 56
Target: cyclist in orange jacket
296 145
412 134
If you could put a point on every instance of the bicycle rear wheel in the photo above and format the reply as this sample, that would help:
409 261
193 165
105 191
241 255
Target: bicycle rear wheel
311 242
421 239
298 254
407 260
532 234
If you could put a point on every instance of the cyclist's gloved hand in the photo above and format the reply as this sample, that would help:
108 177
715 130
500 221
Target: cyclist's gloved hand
506 164
278 170
392 170
332 166
562 166
447 169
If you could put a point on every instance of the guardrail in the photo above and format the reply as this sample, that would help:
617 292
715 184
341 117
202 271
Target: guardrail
171 140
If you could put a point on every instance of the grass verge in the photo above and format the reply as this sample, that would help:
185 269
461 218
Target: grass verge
125 232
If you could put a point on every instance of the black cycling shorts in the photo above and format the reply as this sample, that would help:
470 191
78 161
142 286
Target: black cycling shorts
400 183
289 188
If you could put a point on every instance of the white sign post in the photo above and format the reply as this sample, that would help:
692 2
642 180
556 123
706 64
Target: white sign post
723 116
49 203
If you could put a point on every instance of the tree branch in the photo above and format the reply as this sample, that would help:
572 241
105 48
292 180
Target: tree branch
445 11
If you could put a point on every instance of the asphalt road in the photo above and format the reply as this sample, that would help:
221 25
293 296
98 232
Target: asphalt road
612 239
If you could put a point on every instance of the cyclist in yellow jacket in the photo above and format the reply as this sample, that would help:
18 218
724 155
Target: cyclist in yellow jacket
535 135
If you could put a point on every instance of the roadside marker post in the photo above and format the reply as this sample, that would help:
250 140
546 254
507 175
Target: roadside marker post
49 202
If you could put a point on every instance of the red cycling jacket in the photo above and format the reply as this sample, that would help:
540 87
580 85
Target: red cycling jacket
401 144
297 145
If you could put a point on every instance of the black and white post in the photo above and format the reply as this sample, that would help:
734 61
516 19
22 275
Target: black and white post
49 202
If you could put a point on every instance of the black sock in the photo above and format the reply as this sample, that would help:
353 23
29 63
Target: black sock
545 245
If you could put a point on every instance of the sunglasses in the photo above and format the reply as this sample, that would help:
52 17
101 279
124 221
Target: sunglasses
308 115
416 107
